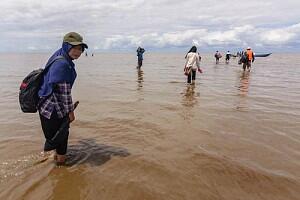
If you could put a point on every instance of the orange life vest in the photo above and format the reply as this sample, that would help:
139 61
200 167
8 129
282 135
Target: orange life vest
250 54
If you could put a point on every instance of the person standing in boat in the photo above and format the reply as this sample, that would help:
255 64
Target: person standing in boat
56 105
192 64
140 51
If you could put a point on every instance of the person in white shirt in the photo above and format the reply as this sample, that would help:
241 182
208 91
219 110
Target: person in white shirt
192 64
228 54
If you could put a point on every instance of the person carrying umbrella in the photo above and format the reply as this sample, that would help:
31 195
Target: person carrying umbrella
56 108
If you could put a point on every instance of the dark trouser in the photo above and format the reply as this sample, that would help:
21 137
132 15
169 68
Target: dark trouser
140 62
191 76
247 64
227 57
217 60
50 127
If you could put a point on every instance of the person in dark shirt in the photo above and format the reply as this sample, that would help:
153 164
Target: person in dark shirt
140 51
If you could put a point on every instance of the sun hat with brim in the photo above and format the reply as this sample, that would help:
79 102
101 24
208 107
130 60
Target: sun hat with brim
74 38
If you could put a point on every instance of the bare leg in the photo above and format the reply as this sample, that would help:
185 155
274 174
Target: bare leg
61 159
249 66
244 66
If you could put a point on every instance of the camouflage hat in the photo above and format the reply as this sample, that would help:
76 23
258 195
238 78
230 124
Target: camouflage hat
74 38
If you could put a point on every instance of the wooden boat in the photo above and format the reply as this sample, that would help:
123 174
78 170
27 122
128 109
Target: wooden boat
262 54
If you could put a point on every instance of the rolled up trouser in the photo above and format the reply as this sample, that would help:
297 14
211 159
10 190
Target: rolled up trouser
56 132
140 62
192 76
249 64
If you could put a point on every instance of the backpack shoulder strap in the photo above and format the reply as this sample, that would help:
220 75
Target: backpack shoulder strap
42 100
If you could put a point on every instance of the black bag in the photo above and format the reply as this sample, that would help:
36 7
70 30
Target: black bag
28 94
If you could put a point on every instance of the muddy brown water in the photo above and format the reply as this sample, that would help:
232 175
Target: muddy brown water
147 135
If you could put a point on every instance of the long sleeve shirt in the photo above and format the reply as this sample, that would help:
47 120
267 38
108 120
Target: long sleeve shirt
192 60
60 101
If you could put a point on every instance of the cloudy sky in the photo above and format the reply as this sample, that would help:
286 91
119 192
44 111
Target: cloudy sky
159 25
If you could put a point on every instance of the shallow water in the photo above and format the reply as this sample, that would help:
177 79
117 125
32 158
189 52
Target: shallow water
147 135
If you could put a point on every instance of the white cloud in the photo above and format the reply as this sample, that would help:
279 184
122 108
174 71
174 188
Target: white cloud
282 35
123 24
200 37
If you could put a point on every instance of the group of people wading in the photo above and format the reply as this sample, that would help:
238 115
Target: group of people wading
193 58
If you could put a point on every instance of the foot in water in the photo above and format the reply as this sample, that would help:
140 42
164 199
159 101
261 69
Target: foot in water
45 155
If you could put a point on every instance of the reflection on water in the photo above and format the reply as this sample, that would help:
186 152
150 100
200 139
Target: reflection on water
190 96
244 83
140 79
189 101
243 90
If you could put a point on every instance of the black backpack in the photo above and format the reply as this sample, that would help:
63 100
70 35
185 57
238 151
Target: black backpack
243 59
28 94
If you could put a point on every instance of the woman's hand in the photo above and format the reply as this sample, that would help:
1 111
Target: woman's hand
71 116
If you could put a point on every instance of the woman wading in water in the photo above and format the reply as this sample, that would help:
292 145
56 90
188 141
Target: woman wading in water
191 65
56 105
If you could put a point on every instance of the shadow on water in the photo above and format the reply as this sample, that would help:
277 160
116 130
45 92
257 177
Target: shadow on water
87 151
